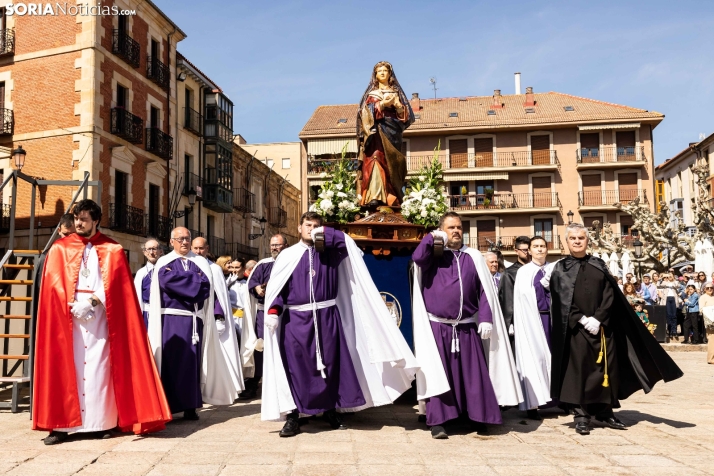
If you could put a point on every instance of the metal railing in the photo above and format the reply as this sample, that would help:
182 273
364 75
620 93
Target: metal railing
160 143
316 166
193 121
7 42
507 243
217 246
159 227
192 182
240 250
127 219
126 48
277 217
7 126
610 197
610 154
503 201
501 158
243 200
158 72
127 126
195 233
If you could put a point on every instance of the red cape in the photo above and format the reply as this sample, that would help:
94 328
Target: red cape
140 398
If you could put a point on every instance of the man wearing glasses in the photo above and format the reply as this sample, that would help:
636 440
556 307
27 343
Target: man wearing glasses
508 280
142 281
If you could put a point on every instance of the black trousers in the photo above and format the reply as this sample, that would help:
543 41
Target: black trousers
584 412
691 322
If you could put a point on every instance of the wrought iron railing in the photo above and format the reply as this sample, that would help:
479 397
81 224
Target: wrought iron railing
610 197
507 243
159 227
243 200
240 250
277 217
502 158
127 126
126 48
158 72
192 182
7 42
192 120
316 166
8 121
610 154
127 219
160 143
217 246
503 201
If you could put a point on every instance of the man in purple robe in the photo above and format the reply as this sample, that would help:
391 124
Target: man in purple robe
460 317
314 353
142 281
183 289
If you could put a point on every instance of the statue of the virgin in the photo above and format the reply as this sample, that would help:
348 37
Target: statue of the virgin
384 113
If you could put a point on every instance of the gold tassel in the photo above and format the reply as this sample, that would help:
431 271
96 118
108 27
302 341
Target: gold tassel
605 382
599 356
603 350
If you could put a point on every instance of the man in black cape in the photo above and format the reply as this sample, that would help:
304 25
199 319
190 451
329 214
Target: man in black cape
591 316
508 281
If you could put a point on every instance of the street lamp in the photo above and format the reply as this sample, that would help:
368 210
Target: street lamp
570 217
262 222
18 156
191 203
638 254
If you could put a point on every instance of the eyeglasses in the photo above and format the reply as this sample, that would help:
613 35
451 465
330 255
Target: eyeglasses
182 239
522 250
276 246
151 250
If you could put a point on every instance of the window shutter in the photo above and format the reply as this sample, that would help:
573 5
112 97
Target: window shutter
483 148
458 151
540 150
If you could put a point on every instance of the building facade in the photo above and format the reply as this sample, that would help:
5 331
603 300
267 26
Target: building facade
513 164
282 157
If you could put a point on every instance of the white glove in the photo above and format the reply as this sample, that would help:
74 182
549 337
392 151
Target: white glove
221 326
82 310
590 324
441 234
271 322
484 330
545 280
510 330
315 231
259 345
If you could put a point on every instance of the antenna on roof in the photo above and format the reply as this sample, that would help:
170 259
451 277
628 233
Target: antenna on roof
702 136
433 85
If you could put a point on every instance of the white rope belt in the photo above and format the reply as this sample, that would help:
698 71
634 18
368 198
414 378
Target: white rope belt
313 305
144 306
260 307
453 323
183 312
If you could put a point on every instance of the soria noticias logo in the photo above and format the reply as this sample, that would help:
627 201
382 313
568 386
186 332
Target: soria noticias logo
52 9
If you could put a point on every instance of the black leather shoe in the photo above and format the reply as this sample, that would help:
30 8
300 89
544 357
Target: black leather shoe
534 415
582 428
291 427
104 435
479 428
335 420
248 394
55 437
612 422
190 415
439 433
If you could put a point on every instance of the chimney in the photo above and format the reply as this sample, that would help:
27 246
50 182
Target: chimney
518 83
530 97
497 99
415 102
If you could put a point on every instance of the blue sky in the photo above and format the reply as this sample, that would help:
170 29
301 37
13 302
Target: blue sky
278 61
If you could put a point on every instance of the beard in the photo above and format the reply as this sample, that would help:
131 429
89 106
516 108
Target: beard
85 233
454 244
274 254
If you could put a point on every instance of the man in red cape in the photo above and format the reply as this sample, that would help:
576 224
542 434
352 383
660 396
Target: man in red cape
94 369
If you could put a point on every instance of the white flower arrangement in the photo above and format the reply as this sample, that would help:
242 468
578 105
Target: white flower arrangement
338 200
426 201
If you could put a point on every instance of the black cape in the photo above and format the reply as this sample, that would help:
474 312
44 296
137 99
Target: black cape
505 292
642 361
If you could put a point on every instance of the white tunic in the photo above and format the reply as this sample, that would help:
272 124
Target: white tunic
91 354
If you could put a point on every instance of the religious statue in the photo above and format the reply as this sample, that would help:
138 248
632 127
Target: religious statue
384 112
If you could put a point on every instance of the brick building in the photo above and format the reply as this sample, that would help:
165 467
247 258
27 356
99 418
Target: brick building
513 164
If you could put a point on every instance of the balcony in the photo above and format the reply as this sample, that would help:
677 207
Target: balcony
217 246
159 227
159 143
481 204
507 243
277 217
316 166
216 125
243 200
192 183
195 233
611 157
606 199
127 126
240 250
217 195
8 122
126 219
126 48
192 121
527 160
7 42
158 72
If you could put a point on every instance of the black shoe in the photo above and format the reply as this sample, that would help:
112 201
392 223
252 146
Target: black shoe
190 415
582 428
334 419
55 437
479 428
104 435
438 433
291 427
534 415
248 394
421 418
612 422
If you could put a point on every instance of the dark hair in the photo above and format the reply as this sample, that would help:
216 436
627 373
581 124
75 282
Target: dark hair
523 240
536 238
67 220
241 260
87 205
310 216
448 215
283 237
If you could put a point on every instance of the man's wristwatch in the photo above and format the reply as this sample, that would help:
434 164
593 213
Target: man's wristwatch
94 301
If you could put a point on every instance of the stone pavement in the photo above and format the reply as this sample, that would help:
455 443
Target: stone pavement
671 432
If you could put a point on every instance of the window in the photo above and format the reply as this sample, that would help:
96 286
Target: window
590 147
458 153
483 150
187 217
544 227
542 192
269 162
122 96
210 226
486 232
659 192
592 191
2 94
627 184
286 163
153 209
123 25
120 188
626 224
540 150
155 49
459 194
625 144
154 117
